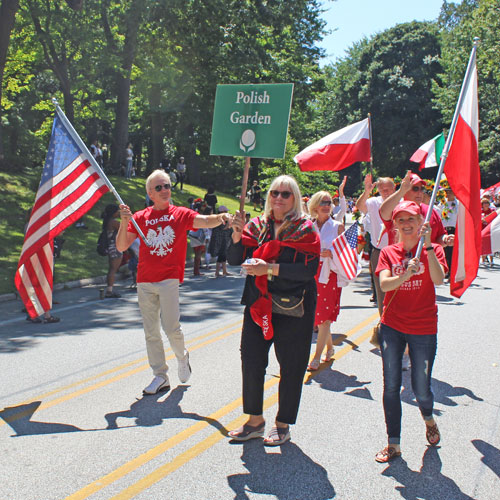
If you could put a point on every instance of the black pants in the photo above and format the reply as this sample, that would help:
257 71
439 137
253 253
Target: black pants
448 251
180 178
292 345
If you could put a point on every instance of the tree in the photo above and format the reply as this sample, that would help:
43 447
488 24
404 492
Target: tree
459 25
8 9
390 76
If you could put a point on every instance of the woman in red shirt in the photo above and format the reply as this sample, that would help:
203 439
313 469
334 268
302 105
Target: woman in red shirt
409 318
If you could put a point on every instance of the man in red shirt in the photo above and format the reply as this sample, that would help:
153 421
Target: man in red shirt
160 270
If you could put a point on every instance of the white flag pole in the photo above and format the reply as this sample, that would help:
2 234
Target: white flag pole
81 144
449 139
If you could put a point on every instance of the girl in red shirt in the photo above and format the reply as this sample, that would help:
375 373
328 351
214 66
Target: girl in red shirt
409 318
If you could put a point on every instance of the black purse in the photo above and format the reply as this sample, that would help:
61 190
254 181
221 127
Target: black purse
288 306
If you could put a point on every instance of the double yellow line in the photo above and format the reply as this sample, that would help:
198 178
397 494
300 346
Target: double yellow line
166 469
194 344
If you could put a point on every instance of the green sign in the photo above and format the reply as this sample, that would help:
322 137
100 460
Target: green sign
251 120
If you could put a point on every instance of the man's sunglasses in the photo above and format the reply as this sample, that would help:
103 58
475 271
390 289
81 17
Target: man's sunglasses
161 186
325 203
284 194
418 188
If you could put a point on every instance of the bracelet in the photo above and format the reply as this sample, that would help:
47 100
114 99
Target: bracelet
270 276
429 248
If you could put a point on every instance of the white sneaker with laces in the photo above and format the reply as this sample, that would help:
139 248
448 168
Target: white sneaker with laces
184 368
157 384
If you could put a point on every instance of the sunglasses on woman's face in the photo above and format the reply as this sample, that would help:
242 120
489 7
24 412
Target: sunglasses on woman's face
418 188
162 186
325 203
284 194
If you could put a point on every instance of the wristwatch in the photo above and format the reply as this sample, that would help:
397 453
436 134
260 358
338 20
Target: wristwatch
270 276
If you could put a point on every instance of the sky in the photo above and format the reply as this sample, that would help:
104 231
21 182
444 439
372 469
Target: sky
354 19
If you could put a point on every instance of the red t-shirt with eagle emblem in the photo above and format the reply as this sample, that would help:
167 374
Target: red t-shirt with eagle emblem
166 230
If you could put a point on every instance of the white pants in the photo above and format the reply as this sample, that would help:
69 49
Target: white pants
160 302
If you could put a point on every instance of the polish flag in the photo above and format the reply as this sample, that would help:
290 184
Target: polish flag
337 150
462 171
490 235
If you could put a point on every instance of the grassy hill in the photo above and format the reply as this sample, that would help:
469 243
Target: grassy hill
79 258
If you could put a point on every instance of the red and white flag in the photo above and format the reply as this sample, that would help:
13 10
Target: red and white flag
337 150
462 171
69 187
490 235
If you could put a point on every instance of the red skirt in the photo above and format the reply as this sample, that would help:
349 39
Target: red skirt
328 304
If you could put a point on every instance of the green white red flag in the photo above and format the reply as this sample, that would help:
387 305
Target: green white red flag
429 154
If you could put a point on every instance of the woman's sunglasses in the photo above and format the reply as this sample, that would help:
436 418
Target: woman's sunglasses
161 186
284 194
325 203
418 188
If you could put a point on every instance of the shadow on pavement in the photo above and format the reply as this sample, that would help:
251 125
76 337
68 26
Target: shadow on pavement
443 392
286 475
149 412
81 313
335 381
426 484
19 419
146 412
491 455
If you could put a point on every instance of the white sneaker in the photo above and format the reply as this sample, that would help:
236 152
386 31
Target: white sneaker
406 362
184 368
157 384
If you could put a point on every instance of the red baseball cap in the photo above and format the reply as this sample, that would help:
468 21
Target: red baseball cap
409 207
416 179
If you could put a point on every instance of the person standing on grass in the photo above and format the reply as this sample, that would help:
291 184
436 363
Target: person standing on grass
409 319
111 226
160 270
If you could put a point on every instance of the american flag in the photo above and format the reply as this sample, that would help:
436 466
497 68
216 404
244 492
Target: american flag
345 256
69 187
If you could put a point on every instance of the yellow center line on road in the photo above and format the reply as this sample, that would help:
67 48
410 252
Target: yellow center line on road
164 470
16 416
182 436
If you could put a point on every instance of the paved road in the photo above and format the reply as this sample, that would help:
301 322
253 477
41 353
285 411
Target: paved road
74 423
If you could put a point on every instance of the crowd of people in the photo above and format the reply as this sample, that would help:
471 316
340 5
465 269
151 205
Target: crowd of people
293 285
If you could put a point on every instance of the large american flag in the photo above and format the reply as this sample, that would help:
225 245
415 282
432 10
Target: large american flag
69 187
345 256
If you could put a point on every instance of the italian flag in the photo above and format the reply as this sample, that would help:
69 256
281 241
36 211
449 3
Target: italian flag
429 154
338 150
462 171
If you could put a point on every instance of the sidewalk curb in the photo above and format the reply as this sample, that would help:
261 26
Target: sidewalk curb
97 280
61 286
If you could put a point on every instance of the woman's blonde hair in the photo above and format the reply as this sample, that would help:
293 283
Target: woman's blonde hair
154 174
289 182
295 212
315 200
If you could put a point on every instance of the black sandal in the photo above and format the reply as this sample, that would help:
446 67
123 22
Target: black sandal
277 436
246 432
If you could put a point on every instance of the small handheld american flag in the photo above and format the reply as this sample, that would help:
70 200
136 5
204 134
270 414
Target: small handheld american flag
345 255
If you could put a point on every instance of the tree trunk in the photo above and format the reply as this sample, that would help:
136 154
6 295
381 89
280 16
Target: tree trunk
156 126
8 9
120 131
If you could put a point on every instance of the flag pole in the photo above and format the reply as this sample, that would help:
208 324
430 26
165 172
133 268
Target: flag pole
449 139
371 148
244 184
82 145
